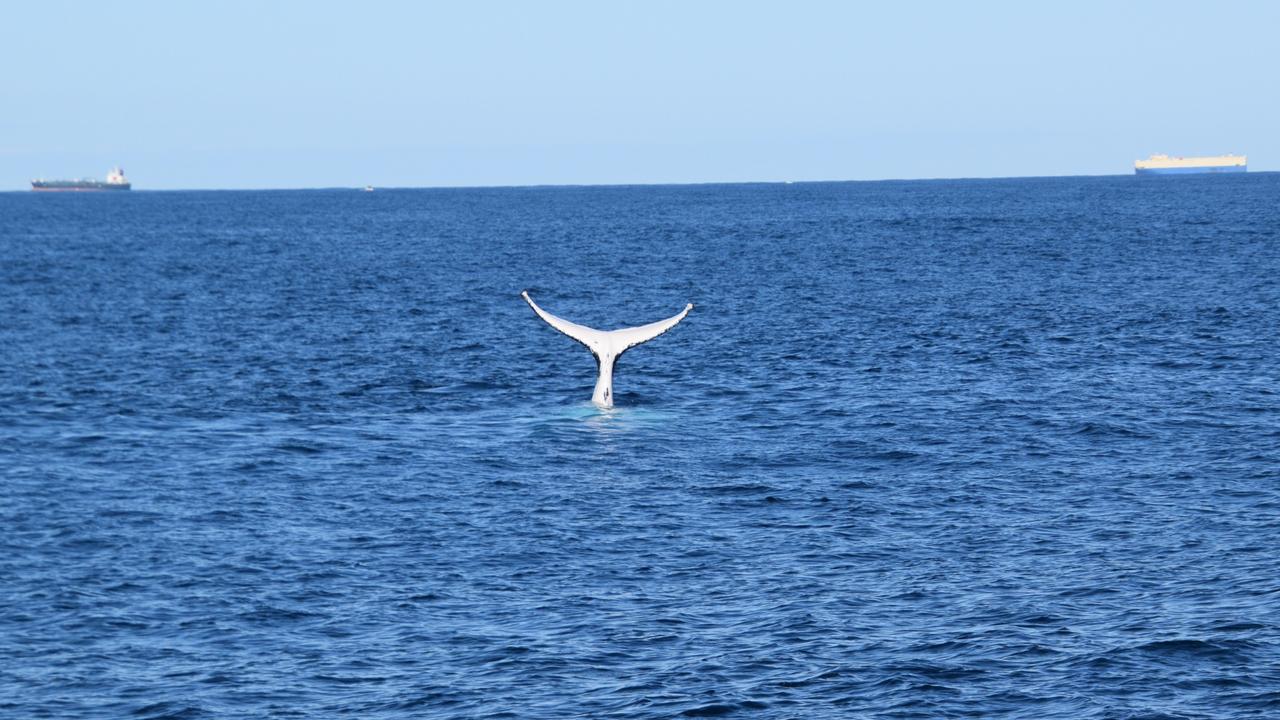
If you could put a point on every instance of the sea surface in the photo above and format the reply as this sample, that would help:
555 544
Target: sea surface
930 449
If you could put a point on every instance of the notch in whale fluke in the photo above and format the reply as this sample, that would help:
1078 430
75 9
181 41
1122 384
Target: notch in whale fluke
606 345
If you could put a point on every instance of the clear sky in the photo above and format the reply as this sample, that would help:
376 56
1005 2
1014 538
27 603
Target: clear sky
313 94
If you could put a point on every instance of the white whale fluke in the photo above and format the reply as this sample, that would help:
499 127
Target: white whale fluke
606 345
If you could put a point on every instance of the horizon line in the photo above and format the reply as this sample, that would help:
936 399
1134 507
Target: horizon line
691 183
570 185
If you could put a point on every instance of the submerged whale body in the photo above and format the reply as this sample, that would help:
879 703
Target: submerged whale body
606 345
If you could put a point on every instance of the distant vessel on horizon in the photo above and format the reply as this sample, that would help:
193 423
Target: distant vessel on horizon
115 181
1165 165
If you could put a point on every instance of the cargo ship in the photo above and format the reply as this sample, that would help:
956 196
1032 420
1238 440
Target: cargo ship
1165 165
115 181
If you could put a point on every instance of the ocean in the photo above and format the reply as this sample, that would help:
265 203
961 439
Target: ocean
923 449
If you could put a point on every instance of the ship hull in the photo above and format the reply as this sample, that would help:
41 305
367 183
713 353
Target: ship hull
1191 170
86 187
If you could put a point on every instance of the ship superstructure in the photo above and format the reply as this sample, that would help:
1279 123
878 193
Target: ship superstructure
115 181
1166 165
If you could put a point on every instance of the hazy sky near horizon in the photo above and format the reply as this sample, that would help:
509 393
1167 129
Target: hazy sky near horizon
317 94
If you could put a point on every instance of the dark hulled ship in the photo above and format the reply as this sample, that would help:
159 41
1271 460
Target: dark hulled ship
115 181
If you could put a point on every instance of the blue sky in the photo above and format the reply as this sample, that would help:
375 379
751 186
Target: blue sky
257 95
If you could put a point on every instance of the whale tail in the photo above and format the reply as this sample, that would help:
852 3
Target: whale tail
607 345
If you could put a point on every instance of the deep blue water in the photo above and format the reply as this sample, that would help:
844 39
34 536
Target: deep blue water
933 449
